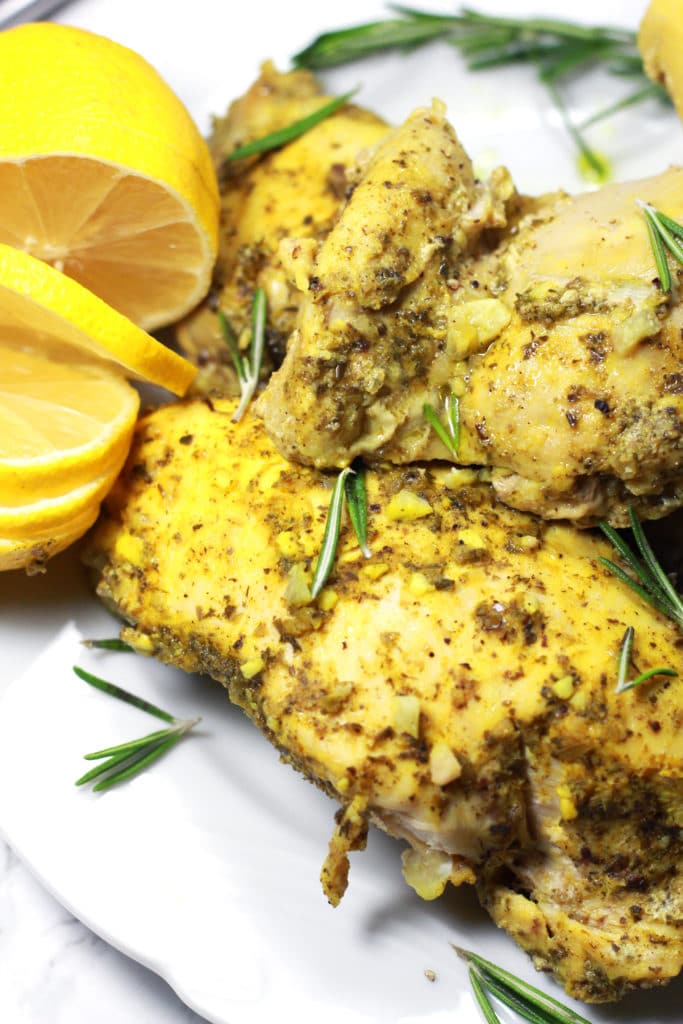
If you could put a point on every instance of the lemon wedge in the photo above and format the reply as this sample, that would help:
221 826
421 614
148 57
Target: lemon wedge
103 173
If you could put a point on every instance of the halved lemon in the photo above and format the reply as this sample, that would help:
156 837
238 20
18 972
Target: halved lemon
103 173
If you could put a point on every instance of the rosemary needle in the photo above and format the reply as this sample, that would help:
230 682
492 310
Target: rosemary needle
291 131
555 48
357 504
129 698
230 339
525 999
624 663
248 369
646 577
331 536
490 1016
453 420
450 434
125 760
109 644
664 233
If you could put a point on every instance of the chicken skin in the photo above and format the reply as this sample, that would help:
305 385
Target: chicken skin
456 688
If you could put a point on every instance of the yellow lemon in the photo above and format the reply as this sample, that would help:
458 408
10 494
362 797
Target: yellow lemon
67 413
103 173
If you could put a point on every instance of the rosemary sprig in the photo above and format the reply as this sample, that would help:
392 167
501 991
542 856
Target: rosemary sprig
664 233
128 759
291 131
357 504
331 535
109 644
624 663
556 48
525 999
648 579
450 434
248 369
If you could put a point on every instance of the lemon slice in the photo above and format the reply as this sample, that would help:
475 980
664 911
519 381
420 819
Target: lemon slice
32 554
62 426
67 413
43 310
103 173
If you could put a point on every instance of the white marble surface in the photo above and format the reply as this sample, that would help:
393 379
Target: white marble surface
53 970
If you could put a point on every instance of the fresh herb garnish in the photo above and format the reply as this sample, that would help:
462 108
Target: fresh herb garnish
664 233
557 49
291 131
128 759
357 504
247 368
331 536
525 999
109 644
624 664
649 580
450 434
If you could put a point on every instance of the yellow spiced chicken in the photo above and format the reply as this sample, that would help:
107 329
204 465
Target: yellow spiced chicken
457 689
395 278
543 317
293 192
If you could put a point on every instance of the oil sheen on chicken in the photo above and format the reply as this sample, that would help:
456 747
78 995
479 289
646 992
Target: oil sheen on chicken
457 688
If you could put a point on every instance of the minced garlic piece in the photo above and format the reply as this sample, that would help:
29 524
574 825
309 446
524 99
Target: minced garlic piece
579 701
454 478
528 543
419 585
141 643
286 543
567 806
328 599
298 591
471 539
406 505
564 687
444 766
472 325
427 871
252 667
406 715
129 548
373 570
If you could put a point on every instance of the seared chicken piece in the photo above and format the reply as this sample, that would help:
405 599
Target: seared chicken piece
552 330
660 39
577 405
372 341
292 192
457 688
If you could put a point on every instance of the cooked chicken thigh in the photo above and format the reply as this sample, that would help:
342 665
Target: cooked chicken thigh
457 688
375 338
552 330
293 192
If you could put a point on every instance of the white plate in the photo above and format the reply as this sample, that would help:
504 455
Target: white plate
206 867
